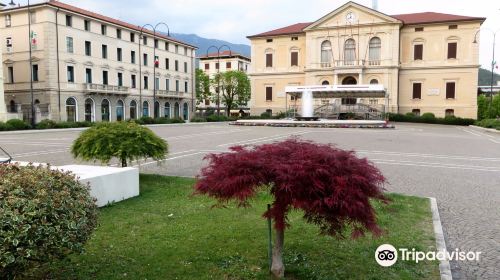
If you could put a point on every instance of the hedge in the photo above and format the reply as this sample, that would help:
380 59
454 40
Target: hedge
429 118
489 123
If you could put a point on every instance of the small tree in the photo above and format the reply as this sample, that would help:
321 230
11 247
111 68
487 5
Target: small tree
202 87
234 88
126 141
333 187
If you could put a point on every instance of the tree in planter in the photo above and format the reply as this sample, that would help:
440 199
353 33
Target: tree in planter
202 87
126 141
234 89
333 187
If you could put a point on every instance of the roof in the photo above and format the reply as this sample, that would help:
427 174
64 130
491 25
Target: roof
87 13
225 53
415 18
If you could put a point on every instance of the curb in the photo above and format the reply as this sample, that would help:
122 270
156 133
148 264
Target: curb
485 129
444 265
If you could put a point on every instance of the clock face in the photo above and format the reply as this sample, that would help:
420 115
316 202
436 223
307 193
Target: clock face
350 17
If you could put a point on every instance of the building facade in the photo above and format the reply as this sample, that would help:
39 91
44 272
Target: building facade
214 63
427 62
89 67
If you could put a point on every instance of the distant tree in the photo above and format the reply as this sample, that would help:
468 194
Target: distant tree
126 141
202 87
234 89
333 187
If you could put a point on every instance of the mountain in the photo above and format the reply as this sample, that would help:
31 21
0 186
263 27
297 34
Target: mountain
203 44
485 77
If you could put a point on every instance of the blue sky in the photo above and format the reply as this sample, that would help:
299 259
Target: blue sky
233 20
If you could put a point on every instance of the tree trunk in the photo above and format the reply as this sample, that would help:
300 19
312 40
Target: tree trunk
278 268
124 162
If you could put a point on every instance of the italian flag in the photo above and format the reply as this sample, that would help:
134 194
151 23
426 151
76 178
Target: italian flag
157 61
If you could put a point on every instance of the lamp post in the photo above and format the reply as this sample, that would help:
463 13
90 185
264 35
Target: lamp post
155 114
31 38
218 71
492 61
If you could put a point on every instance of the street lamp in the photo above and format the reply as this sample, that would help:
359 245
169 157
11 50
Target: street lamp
155 113
492 60
218 71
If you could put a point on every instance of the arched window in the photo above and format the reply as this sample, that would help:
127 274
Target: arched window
133 110
119 110
176 110
12 107
374 53
349 52
105 110
89 110
373 82
326 54
157 109
145 109
185 111
167 110
71 110
325 83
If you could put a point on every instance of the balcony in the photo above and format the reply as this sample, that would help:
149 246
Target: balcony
350 64
100 88
169 93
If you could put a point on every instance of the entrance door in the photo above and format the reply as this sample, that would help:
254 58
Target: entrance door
349 80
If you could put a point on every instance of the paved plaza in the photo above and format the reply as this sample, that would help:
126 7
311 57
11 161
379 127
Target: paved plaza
459 166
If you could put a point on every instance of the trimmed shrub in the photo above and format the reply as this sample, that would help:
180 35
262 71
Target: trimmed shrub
198 119
429 118
489 123
126 141
46 124
265 115
45 214
3 126
16 124
146 120
177 120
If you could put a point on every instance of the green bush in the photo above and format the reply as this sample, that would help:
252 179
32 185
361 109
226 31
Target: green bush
3 126
146 120
16 124
45 214
126 141
489 123
177 120
428 118
198 119
46 124
265 115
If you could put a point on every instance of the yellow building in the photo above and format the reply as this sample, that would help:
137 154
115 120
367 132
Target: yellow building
427 62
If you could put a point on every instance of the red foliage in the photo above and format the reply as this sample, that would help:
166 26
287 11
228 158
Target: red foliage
333 187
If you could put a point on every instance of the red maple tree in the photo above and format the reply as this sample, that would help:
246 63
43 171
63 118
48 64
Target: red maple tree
332 186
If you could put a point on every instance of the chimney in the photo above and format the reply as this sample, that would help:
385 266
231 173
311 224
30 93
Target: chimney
375 5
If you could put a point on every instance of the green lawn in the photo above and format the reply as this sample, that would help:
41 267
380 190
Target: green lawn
167 234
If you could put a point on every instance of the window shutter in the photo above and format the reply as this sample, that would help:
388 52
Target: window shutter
418 52
452 50
269 60
269 94
295 59
417 91
450 90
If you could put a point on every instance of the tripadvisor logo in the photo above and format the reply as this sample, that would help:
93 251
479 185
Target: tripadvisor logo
387 255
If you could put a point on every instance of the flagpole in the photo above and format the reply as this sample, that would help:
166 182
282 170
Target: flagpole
492 69
33 120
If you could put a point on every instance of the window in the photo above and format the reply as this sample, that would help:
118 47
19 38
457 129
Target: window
419 29
295 38
118 33
104 51
185 86
185 111
88 75
326 54
373 82
157 61
145 109
176 65
145 59
176 48
71 74
103 29
269 94
325 83
294 58
166 46
132 81
88 48
217 65
186 66
69 44
105 80
449 113
167 84
453 27
418 52
450 90
269 40
144 40
416 112
8 20
146 82
33 17
374 53
228 65
69 20
207 66
105 110
120 79
71 110
119 110
157 83
349 101
176 110
176 85
167 63
156 43
35 72
167 110
132 37
119 54
133 109
10 70
269 112
269 60
86 25
349 52
417 90
132 57
89 110
452 50
185 51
